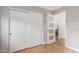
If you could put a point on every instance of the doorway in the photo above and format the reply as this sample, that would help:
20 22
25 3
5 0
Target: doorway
60 27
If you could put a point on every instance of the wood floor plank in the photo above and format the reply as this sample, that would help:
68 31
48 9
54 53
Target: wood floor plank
50 48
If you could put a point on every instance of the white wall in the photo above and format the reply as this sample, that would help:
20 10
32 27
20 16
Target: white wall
73 27
4 29
61 22
73 35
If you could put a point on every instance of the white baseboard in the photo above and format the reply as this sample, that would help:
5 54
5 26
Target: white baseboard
72 48
52 41
44 43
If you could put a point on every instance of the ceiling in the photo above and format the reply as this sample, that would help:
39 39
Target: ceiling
51 7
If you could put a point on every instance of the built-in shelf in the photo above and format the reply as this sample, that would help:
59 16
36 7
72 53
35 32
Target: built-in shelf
50 37
50 28
51 22
51 34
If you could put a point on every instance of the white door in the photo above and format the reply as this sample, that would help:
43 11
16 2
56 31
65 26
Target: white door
25 30
18 31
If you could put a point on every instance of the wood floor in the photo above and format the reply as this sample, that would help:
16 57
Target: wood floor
50 48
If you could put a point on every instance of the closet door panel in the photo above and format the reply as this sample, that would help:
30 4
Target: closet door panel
36 26
19 31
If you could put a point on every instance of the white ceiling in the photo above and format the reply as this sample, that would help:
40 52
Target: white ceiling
51 7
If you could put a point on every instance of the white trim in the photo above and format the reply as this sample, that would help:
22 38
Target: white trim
72 48
44 43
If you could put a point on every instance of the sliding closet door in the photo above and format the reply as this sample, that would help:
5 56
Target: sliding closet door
25 30
36 28
18 31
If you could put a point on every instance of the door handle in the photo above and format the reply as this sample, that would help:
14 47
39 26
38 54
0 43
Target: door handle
10 33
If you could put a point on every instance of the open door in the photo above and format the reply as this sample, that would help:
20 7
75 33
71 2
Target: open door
25 29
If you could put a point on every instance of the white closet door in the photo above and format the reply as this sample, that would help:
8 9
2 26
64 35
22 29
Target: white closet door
18 31
25 30
36 27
